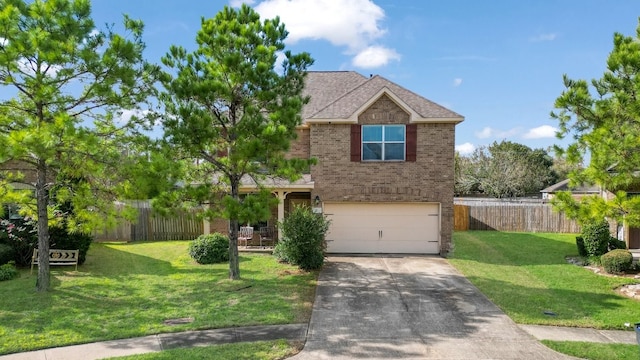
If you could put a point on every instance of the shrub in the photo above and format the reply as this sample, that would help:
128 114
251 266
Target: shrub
21 235
580 243
6 254
8 271
596 237
303 242
210 249
60 238
614 243
616 261
280 253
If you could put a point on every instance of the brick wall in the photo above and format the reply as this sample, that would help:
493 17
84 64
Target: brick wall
429 179
300 146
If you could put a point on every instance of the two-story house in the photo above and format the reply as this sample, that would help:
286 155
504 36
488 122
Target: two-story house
385 170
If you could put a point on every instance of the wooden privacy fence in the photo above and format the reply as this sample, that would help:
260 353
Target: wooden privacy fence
150 226
526 217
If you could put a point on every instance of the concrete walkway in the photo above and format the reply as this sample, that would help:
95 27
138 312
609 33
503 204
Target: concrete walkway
377 308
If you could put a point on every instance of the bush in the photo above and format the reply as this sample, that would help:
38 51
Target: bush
616 261
22 236
303 242
210 249
614 243
8 271
6 254
596 237
59 238
280 253
580 243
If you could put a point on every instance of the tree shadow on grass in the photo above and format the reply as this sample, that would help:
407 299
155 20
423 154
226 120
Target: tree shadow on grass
134 297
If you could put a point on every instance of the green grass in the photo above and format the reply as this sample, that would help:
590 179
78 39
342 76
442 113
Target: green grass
263 350
128 290
595 351
526 274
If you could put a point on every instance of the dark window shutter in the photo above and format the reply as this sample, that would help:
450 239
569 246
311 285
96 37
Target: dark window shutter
412 140
356 142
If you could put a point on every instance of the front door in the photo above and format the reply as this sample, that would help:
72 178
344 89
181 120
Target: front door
634 238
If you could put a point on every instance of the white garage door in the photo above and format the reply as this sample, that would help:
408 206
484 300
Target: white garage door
383 228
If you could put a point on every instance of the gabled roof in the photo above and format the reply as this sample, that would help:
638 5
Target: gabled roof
564 186
342 95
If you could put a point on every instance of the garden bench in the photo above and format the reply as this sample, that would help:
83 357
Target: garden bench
58 257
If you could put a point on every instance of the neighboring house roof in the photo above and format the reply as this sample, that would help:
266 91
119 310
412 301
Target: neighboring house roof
342 95
564 186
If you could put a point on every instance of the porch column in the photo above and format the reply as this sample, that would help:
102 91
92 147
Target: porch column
281 195
207 227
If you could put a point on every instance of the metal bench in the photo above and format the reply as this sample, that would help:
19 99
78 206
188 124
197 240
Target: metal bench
245 234
58 257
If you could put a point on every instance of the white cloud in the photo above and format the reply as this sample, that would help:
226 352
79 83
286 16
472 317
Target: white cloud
465 149
238 3
127 114
352 24
374 56
457 82
543 37
3 41
29 68
488 132
544 131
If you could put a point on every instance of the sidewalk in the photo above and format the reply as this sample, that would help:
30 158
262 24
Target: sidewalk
580 334
155 343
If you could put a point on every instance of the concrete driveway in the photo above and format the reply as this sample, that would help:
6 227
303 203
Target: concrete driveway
409 308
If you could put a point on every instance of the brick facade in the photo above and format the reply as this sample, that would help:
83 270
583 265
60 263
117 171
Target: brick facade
301 145
429 179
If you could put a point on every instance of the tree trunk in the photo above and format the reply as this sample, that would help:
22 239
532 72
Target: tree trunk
42 201
234 260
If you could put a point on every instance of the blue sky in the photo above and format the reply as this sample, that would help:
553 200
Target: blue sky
499 63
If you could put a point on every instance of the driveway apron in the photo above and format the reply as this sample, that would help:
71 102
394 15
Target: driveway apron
409 308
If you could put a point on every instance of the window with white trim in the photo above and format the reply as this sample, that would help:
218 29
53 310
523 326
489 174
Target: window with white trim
383 142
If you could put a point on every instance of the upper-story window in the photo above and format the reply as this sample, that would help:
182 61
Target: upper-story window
383 142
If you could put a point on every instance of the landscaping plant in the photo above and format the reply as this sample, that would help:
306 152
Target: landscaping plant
616 261
6 253
596 237
8 271
210 249
303 242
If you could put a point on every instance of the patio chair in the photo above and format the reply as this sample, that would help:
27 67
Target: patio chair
267 235
245 234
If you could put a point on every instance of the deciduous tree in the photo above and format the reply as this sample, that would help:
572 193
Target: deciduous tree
505 169
230 115
70 82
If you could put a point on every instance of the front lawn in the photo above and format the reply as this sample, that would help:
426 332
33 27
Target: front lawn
129 290
527 276
594 351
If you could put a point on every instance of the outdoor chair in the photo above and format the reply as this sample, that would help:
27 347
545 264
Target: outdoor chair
267 235
245 234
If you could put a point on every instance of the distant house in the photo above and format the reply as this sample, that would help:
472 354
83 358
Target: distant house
577 192
385 171
630 235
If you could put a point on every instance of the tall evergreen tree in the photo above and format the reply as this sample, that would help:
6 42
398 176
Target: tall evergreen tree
603 117
230 115
60 131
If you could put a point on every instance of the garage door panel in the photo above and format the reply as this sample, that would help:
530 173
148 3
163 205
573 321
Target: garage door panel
383 228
